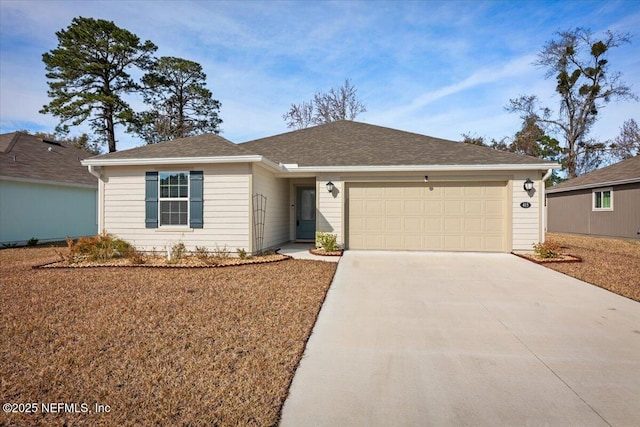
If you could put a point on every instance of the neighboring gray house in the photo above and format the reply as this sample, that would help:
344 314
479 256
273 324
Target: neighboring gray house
45 193
605 202
374 187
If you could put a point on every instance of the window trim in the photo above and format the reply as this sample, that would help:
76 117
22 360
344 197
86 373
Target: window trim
594 208
174 199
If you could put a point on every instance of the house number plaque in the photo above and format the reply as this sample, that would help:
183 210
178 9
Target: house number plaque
525 205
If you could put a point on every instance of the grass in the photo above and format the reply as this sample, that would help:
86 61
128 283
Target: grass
159 347
612 264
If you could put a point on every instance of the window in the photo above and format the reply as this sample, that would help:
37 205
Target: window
603 199
174 198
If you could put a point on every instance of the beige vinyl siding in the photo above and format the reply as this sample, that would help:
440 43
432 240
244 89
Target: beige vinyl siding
276 190
572 212
330 206
526 223
226 208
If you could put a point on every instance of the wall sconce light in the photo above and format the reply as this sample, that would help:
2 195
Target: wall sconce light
528 185
330 187
426 178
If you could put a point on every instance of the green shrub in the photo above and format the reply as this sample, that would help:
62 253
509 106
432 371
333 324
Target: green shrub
242 254
32 241
327 241
548 249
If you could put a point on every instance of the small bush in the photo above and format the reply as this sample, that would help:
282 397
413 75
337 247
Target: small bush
327 241
548 249
220 254
242 254
202 253
177 253
101 247
32 241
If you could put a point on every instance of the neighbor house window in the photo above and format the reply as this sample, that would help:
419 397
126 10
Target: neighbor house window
603 199
174 199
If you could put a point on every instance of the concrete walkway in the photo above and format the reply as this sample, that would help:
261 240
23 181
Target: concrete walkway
442 339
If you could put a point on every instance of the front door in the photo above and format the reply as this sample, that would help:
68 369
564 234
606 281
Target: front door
306 213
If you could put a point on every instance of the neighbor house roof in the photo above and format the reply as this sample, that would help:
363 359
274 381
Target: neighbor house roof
26 157
624 172
349 143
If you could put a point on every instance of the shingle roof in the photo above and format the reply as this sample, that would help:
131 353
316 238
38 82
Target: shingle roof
626 171
25 156
343 143
349 143
205 145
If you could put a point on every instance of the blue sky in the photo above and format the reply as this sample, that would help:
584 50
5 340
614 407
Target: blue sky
440 68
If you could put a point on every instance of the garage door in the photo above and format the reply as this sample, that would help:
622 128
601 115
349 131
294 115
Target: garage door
421 216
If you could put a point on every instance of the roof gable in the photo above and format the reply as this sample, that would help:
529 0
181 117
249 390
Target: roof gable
626 171
24 156
349 143
205 145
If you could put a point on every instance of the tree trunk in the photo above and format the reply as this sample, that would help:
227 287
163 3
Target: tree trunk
571 159
111 134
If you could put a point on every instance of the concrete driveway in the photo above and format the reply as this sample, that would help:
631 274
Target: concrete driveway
420 339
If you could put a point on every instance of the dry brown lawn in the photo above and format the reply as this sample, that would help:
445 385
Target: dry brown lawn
159 347
612 264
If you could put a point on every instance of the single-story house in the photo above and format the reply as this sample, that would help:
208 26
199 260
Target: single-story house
45 193
605 202
374 187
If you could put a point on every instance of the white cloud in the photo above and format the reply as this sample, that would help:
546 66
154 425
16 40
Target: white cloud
441 68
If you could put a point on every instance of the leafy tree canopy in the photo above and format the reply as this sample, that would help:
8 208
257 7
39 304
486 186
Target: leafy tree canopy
88 74
180 103
531 140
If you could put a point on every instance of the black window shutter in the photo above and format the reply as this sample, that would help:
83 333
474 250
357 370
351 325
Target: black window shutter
151 200
196 199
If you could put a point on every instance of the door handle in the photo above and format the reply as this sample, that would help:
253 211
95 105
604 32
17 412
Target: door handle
297 223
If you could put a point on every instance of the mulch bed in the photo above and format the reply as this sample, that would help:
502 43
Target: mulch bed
533 257
157 346
161 262
612 264
322 252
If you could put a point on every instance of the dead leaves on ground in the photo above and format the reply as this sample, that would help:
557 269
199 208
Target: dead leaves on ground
168 347
612 264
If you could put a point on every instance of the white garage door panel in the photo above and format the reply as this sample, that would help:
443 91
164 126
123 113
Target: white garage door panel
439 216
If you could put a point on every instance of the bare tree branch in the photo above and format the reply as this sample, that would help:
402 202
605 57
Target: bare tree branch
335 105
585 85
